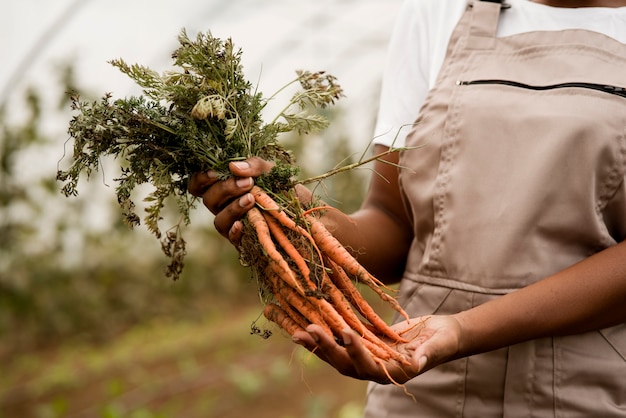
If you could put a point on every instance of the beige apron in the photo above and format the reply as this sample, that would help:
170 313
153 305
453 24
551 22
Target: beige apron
522 175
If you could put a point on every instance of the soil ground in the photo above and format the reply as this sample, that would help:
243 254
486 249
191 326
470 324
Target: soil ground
215 368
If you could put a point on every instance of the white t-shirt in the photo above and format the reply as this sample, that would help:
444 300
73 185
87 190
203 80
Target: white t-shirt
420 38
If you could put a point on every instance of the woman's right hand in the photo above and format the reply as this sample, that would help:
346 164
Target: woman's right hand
433 340
229 200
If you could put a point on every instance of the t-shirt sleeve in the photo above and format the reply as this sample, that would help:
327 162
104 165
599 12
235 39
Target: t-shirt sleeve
405 79
416 51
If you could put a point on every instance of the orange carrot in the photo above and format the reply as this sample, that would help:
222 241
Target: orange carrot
331 247
342 307
334 315
277 315
303 305
269 205
319 208
275 284
281 238
266 203
265 239
317 311
346 287
384 352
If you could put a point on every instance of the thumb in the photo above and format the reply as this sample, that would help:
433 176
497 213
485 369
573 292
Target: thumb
422 362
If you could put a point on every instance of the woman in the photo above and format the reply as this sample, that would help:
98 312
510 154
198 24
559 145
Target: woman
506 228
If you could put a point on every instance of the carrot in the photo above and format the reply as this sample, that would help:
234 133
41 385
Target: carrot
277 315
317 311
330 246
346 287
302 304
281 238
382 351
335 316
268 204
319 208
342 306
265 239
291 311
296 316
324 314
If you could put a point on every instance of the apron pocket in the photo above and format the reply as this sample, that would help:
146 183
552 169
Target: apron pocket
589 373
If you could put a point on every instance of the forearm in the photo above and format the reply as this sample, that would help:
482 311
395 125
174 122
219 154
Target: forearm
379 234
589 295
368 235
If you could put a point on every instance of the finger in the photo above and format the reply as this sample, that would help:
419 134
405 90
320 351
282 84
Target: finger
361 357
331 352
226 218
252 167
235 233
223 193
306 340
200 182
422 358
367 367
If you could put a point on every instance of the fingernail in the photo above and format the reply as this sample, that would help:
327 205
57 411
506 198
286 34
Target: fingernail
244 182
242 165
245 200
211 174
313 335
347 337
296 340
422 362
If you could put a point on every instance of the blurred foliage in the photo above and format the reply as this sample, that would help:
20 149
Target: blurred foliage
116 278
91 327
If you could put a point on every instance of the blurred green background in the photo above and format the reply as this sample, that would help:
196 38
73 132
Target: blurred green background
89 325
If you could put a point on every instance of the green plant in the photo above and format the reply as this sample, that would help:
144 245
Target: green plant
200 117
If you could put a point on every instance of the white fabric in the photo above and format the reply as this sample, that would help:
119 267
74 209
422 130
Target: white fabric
420 38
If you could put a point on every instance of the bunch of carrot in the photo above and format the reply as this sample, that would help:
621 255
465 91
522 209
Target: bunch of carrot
308 277
201 117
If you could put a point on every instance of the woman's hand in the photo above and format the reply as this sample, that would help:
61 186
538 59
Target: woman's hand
229 200
432 340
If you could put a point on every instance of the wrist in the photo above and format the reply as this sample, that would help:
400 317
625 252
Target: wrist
476 334
464 335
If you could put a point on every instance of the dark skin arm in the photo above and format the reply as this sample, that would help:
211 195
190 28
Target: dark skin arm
589 295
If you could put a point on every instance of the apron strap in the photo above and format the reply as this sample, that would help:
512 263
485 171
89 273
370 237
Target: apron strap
484 23
503 4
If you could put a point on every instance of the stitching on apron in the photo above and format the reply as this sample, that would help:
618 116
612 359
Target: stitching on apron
609 342
483 24
615 178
